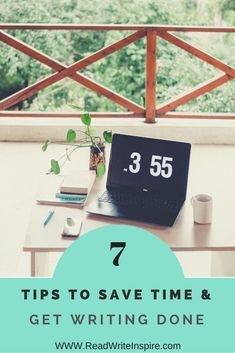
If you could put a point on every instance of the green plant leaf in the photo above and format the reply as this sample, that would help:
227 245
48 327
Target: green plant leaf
86 119
45 145
108 136
71 136
55 166
100 169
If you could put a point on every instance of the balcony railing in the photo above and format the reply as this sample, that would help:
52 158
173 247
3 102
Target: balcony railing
150 112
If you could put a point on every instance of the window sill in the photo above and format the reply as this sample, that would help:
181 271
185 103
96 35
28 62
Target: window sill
199 131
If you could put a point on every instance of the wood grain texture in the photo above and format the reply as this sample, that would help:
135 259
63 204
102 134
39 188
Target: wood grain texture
192 94
170 115
151 62
150 31
108 93
112 27
63 115
30 51
64 71
198 53
189 115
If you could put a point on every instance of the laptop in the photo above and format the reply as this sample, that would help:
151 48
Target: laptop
147 180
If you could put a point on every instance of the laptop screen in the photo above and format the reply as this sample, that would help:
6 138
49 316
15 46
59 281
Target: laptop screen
149 165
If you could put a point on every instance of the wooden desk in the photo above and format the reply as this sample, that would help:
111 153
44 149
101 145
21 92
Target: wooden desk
185 235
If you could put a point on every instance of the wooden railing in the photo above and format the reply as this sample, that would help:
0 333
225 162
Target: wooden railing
151 32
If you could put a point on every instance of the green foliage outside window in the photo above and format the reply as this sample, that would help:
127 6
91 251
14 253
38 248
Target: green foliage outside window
123 71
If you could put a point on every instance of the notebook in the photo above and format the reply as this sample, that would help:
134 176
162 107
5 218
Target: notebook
78 184
49 190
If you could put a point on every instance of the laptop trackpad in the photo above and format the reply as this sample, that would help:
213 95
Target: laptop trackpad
106 208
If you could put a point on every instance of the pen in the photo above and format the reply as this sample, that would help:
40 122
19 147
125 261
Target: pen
48 218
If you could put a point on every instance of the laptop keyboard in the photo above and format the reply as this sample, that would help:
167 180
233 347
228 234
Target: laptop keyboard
140 200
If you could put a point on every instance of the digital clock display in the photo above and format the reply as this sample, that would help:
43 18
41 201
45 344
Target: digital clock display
147 164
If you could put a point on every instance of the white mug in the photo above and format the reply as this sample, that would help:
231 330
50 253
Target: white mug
202 208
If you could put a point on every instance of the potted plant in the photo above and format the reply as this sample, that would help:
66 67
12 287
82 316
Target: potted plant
90 140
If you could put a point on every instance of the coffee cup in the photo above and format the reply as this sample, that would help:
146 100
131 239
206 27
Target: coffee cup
202 208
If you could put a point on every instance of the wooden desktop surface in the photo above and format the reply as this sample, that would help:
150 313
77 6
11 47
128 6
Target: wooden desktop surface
205 176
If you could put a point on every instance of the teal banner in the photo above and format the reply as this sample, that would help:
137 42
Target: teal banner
117 288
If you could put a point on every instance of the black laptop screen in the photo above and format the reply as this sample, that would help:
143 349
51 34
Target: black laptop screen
149 165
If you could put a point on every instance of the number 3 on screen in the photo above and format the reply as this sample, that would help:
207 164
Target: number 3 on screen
135 167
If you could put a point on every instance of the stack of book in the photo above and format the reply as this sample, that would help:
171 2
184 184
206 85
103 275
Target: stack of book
70 190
